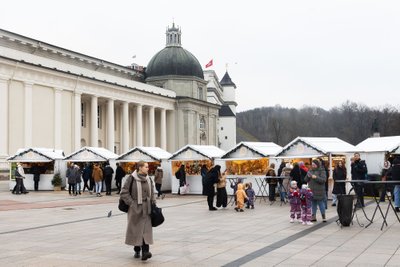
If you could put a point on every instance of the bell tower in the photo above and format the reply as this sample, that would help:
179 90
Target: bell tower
173 36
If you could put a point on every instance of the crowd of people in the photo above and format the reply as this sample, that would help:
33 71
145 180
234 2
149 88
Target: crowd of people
308 190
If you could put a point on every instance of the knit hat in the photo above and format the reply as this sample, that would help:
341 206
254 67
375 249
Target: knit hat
304 186
293 184
316 162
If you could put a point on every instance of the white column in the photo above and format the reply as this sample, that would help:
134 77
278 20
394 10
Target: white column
57 118
139 125
110 125
152 129
125 127
172 136
163 128
3 118
94 132
28 115
77 121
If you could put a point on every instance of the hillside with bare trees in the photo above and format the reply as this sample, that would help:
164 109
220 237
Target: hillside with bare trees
350 122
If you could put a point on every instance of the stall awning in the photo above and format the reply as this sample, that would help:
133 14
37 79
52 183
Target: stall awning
148 154
35 154
302 156
197 152
252 150
91 154
379 144
306 146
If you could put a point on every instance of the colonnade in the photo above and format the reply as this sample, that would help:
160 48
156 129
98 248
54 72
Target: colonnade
141 124
134 123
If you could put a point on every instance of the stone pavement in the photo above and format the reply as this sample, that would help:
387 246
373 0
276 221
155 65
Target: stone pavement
55 229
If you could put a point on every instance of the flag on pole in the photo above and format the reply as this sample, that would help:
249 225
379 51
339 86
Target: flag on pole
209 64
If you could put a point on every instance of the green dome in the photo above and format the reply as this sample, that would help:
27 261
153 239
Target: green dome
174 60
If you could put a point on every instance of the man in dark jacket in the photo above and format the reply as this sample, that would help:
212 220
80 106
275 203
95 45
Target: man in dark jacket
359 172
119 174
108 173
212 178
180 174
87 176
36 171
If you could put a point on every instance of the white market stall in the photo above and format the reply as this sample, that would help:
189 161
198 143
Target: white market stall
93 155
193 157
375 150
250 160
49 160
331 149
154 156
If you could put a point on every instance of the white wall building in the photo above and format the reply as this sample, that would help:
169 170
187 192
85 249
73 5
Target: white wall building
57 98
223 93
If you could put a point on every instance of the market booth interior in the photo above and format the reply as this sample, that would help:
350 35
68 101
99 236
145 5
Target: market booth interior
330 149
154 156
92 155
193 157
250 161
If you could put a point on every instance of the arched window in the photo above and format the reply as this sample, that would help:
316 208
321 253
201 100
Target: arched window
202 123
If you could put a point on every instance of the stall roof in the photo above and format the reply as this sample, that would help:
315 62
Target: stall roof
91 154
35 154
144 153
379 144
252 150
314 147
197 152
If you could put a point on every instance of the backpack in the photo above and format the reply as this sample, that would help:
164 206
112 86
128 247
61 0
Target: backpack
17 174
178 174
345 209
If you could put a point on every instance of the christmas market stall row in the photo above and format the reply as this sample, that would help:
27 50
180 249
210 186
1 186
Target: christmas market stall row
44 162
192 157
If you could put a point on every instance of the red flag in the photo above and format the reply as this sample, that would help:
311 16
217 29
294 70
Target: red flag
209 64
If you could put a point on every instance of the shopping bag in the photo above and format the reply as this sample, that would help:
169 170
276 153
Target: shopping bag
156 215
184 189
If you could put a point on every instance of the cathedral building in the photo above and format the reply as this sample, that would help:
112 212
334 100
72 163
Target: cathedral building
53 97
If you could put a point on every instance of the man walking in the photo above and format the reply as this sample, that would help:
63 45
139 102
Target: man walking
359 172
119 175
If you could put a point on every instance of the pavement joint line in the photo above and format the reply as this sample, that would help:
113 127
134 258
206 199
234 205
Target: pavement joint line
87 219
278 244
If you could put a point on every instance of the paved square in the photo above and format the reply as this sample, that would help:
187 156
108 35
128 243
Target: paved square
55 229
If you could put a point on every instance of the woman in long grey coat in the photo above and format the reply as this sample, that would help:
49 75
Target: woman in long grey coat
316 178
139 232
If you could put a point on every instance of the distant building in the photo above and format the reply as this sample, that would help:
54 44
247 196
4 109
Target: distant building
56 98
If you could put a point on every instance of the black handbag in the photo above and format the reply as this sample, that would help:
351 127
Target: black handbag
156 215
122 206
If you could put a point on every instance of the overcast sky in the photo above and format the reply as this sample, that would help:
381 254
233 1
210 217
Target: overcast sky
291 53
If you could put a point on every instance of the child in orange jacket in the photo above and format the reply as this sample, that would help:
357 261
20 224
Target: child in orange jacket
240 197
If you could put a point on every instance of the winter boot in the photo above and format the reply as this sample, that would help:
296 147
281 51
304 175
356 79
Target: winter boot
323 218
313 218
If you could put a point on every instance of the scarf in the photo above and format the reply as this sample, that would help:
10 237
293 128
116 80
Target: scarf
139 178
